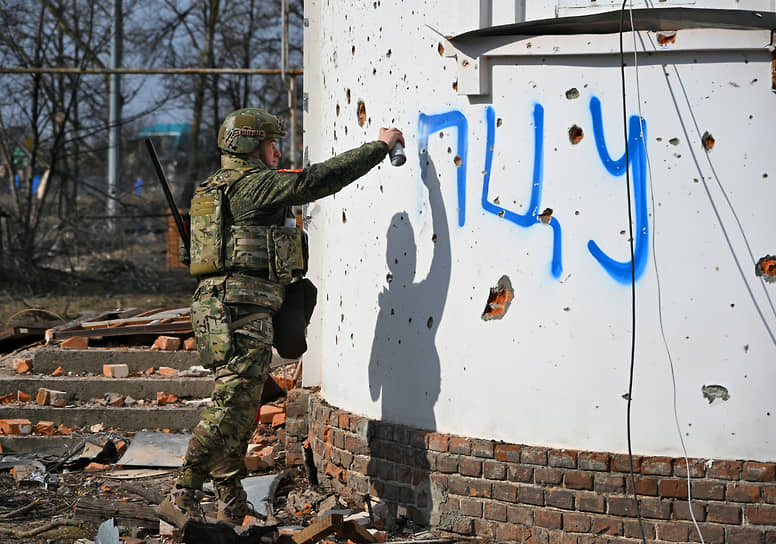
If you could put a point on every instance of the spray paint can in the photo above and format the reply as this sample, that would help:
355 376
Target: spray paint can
398 157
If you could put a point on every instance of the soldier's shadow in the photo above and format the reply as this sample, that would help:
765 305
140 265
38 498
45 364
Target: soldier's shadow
404 367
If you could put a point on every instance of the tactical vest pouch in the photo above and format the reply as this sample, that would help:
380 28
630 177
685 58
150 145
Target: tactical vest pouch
246 248
213 330
207 244
285 252
291 321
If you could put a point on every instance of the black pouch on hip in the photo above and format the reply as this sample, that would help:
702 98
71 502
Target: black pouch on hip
290 322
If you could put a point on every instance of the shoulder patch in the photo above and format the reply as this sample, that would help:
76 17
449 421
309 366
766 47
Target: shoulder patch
290 171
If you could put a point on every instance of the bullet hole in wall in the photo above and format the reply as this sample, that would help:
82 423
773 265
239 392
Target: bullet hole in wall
674 141
441 48
457 160
708 141
389 279
347 94
572 93
388 53
576 134
499 122
766 268
665 38
338 110
499 299
715 392
361 113
353 50
344 217
430 322
455 85
434 238
546 216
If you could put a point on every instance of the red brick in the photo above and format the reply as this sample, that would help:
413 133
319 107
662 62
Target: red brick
563 538
447 463
660 466
761 515
531 495
607 526
682 510
190 343
712 534
21 396
621 463
484 529
770 537
476 488
590 502
45 428
609 483
705 489
505 492
559 498
470 467
75 342
472 508
673 532
459 445
116 371
676 489
168 371
594 460
741 535
724 513
59 371
268 412
23 365
759 472
697 468
769 494
548 518
15 426
438 442
726 470
523 515
519 473
562 458
632 529
548 476
533 456
495 511
464 526
622 506
507 452
494 470
536 535
483 448
576 523
742 492
43 396
578 479
507 531
644 485
166 343
655 508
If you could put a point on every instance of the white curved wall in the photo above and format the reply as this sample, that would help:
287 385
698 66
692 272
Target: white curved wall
554 370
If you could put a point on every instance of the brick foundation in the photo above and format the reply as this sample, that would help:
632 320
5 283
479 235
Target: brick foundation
534 494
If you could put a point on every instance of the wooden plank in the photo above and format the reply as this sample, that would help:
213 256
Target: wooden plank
320 528
181 327
125 513
356 532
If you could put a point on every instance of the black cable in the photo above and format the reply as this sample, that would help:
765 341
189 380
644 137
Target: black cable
633 274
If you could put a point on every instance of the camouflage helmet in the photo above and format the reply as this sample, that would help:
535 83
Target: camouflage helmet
243 130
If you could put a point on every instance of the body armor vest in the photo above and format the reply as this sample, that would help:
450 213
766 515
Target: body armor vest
272 251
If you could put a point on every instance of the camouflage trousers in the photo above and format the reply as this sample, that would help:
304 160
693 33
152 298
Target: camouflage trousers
232 320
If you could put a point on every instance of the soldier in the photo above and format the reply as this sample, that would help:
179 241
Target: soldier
244 257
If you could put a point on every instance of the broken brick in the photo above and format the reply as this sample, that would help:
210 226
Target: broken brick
190 344
59 371
23 365
268 412
21 396
75 342
52 397
167 343
163 398
16 426
42 397
149 371
115 371
64 429
6 399
278 420
167 371
96 466
45 428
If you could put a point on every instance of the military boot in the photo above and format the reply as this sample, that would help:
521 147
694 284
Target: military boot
235 508
180 506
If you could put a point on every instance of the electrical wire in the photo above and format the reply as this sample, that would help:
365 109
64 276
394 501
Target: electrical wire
657 281
633 275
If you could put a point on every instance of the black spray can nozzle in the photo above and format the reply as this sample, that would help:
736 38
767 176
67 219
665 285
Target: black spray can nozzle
398 157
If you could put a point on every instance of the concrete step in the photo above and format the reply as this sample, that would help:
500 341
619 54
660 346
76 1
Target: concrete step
46 359
176 417
53 445
81 388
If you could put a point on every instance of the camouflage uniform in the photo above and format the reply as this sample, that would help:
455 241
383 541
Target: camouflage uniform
244 302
